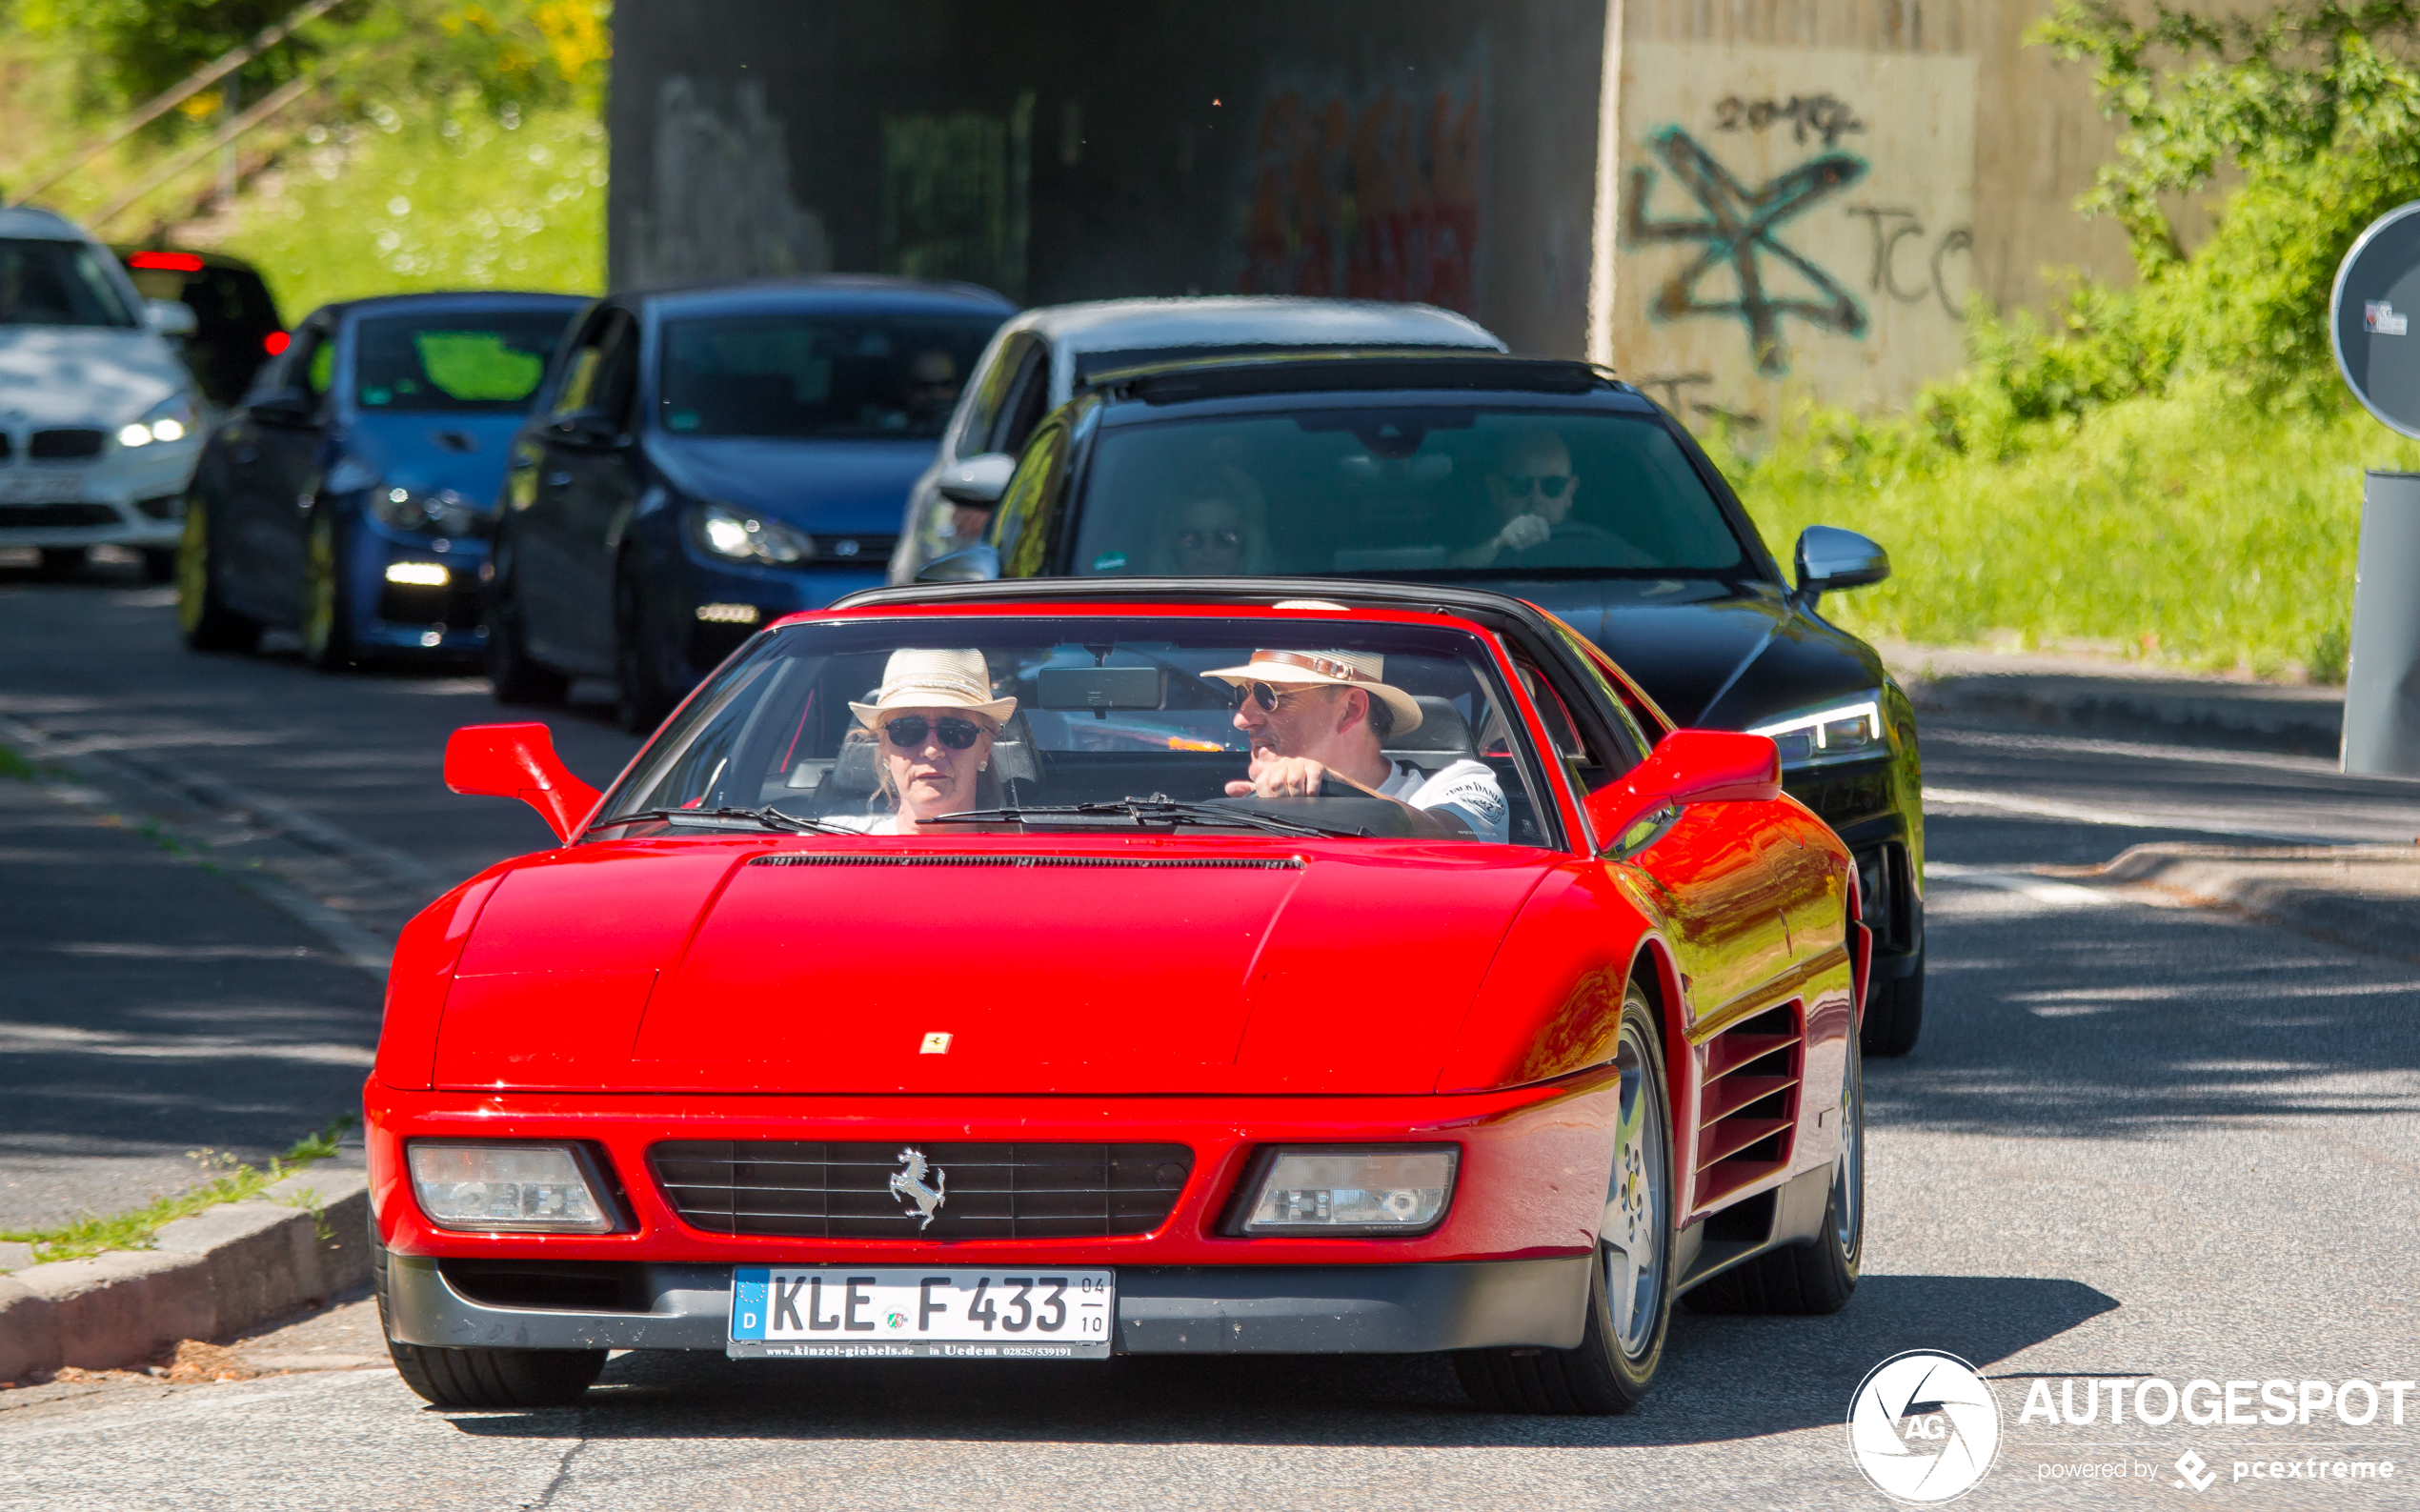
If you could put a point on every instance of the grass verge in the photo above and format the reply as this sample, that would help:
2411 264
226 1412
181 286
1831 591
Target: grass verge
2195 528
230 1181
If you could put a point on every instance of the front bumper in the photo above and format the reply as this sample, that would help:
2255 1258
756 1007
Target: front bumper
442 619
120 498
1161 1310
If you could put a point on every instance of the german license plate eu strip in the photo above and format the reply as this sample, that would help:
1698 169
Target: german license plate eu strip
832 1311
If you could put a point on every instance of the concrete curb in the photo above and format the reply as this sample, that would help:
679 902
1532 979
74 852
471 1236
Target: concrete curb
211 1274
2366 896
2292 721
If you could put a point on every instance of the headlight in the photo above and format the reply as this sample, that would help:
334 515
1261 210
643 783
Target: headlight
169 420
443 513
1402 1190
542 1188
737 535
1842 732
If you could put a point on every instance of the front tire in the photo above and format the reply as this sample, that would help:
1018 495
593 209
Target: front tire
644 698
515 677
1810 1279
327 617
1895 1013
486 1378
202 617
1630 1287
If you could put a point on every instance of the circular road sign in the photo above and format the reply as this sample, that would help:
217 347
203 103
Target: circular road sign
2369 319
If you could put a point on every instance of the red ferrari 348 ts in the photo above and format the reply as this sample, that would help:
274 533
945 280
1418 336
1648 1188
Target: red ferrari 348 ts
1051 970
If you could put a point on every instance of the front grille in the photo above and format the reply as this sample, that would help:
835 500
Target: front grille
810 1190
854 551
54 517
453 606
1844 794
65 446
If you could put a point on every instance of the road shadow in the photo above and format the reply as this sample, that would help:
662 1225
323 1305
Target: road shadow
1723 1379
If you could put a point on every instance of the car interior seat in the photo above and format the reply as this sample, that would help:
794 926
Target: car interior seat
1444 736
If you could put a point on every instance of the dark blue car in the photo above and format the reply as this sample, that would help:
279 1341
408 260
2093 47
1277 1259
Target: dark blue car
704 461
350 496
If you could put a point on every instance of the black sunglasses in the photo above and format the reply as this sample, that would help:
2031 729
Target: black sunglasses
1269 696
908 731
1224 539
1548 484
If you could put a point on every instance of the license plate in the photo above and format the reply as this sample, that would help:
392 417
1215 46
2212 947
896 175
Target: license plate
837 1313
39 487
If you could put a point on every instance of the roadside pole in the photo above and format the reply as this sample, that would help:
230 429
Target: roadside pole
2370 327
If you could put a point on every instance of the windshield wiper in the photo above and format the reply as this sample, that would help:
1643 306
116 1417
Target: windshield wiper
1138 812
767 817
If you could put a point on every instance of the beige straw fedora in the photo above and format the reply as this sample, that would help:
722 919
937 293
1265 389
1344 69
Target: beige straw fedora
1333 669
935 680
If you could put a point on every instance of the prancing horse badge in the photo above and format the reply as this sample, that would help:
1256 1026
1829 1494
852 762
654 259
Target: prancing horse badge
909 1184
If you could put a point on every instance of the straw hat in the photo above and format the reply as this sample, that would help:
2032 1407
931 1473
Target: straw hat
934 680
1327 669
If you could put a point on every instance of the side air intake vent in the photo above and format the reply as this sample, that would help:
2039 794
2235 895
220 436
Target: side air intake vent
1747 1116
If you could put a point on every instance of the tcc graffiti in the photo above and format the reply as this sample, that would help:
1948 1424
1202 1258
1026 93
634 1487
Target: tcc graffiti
1738 230
1891 227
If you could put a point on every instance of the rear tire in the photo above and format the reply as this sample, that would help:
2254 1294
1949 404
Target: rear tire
1630 1286
206 623
517 678
327 617
1894 1014
1809 1279
486 1378
64 561
645 700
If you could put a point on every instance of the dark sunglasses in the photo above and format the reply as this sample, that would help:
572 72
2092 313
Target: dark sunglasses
1549 485
1225 540
908 731
1269 696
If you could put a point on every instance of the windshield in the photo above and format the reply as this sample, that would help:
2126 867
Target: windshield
1439 491
58 283
454 359
811 376
1159 724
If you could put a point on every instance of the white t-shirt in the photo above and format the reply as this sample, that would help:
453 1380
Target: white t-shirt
868 823
1465 789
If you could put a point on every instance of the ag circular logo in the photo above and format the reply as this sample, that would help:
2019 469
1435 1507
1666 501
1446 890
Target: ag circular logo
1924 1427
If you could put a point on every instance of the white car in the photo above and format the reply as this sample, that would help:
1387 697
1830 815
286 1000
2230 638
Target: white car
99 421
1036 361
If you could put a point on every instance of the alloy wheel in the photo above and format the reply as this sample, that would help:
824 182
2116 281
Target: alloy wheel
1638 1205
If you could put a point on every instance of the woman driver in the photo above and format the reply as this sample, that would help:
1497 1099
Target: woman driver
935 718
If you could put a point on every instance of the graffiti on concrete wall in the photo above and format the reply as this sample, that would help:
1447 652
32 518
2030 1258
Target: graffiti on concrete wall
1738 229
1791 221
1364 195
719 202
954 196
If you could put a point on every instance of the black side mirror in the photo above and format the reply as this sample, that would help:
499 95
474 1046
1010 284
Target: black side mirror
287 407
1830 559
976 564
588 430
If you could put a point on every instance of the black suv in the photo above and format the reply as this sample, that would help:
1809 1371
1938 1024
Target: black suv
1547 480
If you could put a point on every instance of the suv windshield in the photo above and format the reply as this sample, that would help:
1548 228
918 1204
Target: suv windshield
1441 489
454 359
1104 723
802 376
58 283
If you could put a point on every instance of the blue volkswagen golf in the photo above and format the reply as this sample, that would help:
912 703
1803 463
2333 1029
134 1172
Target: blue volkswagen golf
705 460
350 497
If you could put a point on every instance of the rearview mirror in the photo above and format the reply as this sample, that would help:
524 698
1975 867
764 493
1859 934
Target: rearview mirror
976 564
978 482
1829 557
518 761
170 317
1691 766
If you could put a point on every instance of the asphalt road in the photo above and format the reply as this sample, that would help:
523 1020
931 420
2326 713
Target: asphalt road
2135 1142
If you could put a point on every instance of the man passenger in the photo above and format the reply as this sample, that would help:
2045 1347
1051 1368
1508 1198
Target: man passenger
1317 720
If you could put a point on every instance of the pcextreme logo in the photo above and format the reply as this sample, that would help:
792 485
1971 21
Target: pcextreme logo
1924 1427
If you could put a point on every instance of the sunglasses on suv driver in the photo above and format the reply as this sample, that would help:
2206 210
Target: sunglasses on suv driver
908 731
1549 485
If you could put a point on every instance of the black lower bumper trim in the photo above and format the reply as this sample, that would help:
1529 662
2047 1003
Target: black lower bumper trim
1161 1310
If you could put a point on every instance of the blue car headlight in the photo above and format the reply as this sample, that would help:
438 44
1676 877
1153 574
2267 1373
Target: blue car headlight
1847 730
737 535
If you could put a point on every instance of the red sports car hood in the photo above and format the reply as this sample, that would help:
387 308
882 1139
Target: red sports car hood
1154 967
